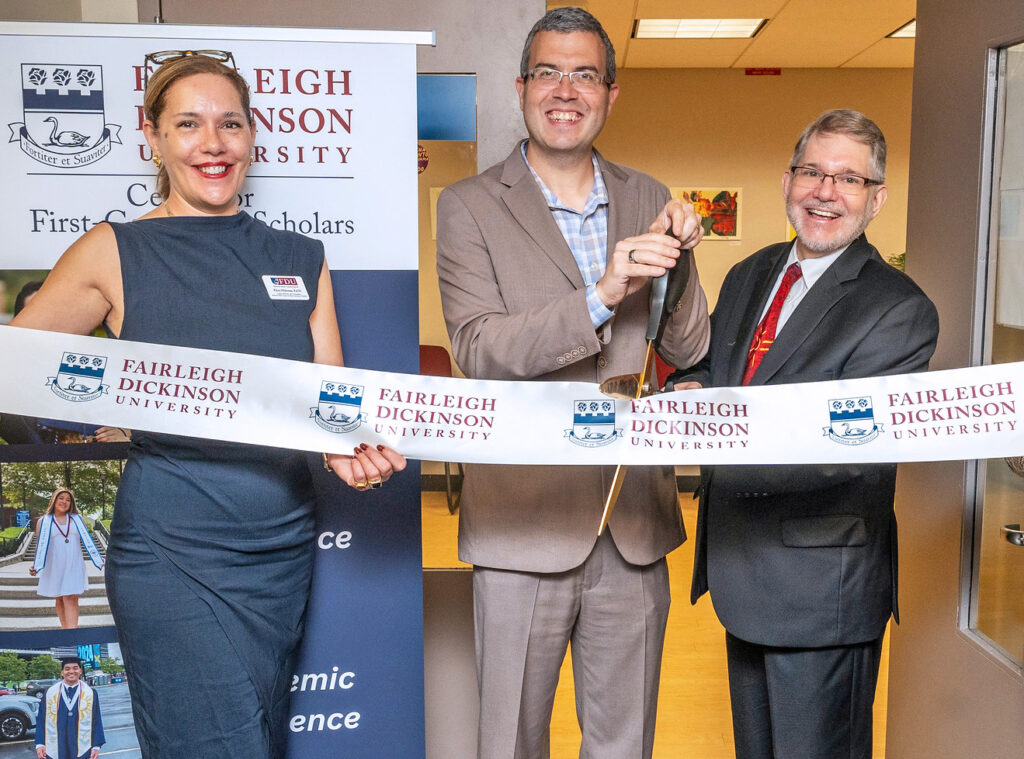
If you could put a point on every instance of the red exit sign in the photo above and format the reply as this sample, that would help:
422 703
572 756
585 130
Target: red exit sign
763 72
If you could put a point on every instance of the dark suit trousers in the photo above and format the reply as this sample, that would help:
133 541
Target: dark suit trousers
802 703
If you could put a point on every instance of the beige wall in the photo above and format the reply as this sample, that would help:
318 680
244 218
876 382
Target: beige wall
36 10
448 163
720 128
119 11
110 11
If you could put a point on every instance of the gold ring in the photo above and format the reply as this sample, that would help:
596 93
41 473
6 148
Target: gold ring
359 485
631 259
376 482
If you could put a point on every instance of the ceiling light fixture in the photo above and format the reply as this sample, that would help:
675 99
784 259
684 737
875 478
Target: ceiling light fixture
697 28
909 29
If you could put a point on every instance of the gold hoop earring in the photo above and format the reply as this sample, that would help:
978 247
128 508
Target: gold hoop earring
157 162
252 159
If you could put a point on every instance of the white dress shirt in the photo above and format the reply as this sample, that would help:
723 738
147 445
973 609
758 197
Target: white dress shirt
811 270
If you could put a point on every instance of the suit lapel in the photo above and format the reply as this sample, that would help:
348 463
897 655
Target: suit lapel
623 205
830 288
525 202
762 281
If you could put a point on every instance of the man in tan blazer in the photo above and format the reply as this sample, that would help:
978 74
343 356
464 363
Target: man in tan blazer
534 288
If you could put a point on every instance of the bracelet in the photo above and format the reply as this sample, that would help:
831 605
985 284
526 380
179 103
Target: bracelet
327 464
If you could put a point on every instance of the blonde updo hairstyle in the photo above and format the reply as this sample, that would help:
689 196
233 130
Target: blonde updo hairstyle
161 81
56 495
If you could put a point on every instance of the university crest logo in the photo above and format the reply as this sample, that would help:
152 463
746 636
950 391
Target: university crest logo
80 377
852 421
65 125
339 409
593 423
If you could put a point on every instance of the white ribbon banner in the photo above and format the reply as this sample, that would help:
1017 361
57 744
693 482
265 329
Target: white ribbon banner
945 415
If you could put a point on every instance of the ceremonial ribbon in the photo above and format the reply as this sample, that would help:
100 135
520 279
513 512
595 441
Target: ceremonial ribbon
954 414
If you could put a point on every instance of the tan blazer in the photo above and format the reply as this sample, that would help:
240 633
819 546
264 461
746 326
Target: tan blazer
515 305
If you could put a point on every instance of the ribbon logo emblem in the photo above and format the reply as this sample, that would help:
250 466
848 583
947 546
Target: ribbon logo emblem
593 423
340 407
80 377
852 421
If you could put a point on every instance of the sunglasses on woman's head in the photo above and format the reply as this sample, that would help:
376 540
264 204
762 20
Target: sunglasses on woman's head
167 56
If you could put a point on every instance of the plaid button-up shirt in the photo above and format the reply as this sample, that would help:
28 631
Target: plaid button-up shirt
586 234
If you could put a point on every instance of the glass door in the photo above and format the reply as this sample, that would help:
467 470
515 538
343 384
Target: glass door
997 583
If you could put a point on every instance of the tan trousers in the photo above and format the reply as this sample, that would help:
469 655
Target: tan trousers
612 613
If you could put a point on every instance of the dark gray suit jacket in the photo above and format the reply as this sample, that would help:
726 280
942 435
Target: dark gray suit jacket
515 305
805 556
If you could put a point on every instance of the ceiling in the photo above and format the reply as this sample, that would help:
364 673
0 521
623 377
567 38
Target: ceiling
799 33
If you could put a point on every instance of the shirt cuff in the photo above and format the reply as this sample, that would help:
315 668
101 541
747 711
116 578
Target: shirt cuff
599 312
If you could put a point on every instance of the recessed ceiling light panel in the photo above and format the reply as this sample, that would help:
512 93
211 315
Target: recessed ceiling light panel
909 29
697 28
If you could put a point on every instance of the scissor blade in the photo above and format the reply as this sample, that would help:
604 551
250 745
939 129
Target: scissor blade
623 386
613 496
620 470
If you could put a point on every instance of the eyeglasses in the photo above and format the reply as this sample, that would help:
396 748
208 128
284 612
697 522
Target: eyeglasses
581 80
848 184
166 56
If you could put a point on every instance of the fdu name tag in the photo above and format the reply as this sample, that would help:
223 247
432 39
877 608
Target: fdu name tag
281 287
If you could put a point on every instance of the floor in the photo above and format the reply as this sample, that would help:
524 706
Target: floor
1000 613
694 719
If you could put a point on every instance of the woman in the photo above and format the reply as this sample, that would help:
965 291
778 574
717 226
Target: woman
60 535
211 546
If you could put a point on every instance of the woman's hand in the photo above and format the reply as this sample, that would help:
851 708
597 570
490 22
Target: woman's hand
32 571
367 467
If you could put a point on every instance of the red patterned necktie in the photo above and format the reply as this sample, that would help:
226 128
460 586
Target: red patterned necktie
765 333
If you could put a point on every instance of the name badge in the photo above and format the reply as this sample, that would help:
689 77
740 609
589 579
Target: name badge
285 288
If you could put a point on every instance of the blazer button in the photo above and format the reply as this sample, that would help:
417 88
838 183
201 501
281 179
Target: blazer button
560 360
583 350
602 362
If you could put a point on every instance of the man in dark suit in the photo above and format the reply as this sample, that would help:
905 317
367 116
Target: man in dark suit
801 560
545 263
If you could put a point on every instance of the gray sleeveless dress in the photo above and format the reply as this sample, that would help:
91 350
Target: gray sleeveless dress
210 560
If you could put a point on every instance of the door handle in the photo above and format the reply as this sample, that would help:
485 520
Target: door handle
1014 534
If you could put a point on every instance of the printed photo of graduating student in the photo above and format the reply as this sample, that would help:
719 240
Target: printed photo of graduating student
69 724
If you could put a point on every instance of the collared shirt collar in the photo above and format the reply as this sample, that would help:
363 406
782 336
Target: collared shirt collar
598 193
70 700
812 268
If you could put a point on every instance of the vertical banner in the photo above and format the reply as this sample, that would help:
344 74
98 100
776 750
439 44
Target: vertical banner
335 160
